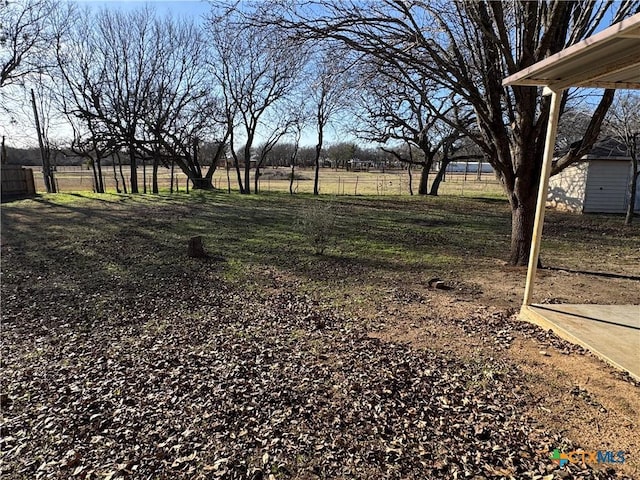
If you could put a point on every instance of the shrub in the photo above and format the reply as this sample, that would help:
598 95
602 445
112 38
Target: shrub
317 223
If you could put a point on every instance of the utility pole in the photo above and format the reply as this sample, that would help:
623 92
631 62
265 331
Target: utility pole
3 153
49 184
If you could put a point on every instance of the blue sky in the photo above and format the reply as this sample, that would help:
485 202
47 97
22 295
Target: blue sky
179 8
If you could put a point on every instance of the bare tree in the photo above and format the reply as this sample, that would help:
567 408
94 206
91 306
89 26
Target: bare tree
406 107
25 37
281 125
182 111
330 90
623 124
106 75
468 48
127 43
149 95
296 131
256 68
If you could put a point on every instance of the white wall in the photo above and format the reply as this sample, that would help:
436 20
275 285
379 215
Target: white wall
567 189
607 183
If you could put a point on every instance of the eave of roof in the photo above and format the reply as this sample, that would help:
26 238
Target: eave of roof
609 59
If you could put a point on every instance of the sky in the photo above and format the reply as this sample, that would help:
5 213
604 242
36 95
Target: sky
20 131
186 8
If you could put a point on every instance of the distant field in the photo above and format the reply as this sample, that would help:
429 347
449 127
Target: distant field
334 182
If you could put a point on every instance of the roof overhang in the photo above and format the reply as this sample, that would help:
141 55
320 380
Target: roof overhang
609 59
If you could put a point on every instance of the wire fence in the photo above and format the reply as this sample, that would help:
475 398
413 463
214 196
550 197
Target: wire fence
331 182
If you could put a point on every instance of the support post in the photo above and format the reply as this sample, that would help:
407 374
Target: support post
552 128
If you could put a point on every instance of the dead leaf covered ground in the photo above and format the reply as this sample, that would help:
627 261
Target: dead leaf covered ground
124 358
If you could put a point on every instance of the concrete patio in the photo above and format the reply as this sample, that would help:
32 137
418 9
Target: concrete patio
612 332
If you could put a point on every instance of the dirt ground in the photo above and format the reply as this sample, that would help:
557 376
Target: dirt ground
574 393
338 371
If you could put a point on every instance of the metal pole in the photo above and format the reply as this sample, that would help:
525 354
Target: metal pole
543 188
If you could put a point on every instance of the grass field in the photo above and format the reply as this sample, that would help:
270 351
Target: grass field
333 182
122 357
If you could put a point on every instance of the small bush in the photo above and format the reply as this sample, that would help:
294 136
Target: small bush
317 223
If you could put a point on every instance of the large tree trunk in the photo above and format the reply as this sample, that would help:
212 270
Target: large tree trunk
134 169
522 220
438 180
424 179
202 183
632 194
523 199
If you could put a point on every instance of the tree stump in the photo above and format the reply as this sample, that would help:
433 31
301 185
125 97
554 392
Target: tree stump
195 248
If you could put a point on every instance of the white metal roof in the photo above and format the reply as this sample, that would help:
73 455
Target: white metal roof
609 59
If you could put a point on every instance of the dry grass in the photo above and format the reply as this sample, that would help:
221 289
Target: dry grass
333 182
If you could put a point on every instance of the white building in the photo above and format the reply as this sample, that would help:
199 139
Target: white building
598 184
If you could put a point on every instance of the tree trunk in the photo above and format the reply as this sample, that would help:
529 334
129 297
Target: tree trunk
3 153
202 183
115 175
100 184
144 176
632 194
316 177
410 180
293 172
134 169
195 248
435 185
247 174
173 166
154 176
442 171
124 183
523 213
95 176
236 164
256 180
424 179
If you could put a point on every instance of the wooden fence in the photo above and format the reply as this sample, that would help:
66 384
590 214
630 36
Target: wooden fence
16 182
